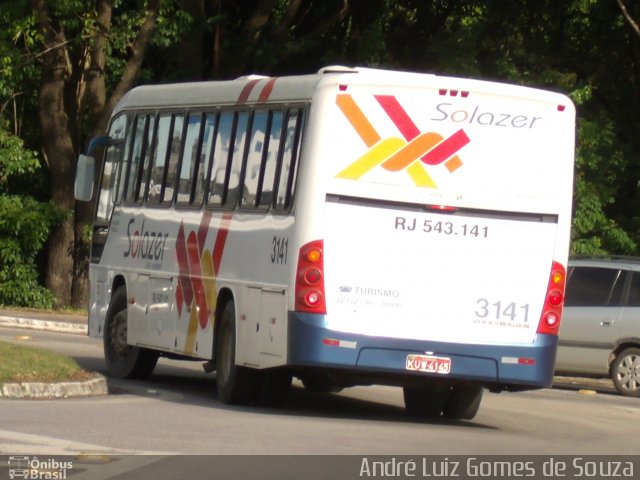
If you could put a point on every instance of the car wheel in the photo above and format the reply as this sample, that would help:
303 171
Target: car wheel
625 372
124 360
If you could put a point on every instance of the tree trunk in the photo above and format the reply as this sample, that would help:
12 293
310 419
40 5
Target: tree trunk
93 99
68 249
58 146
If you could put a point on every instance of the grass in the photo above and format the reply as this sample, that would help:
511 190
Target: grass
20 363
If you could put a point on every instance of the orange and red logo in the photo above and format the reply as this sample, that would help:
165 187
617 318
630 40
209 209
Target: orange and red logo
198 267
410 154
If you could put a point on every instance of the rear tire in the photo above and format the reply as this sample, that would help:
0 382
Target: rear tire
275 388
463 402
425 403
124 360
625 372
236 385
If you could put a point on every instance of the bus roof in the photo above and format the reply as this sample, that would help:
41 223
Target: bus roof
245 89
256 89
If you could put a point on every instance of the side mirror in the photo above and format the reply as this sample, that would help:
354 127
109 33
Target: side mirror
85 177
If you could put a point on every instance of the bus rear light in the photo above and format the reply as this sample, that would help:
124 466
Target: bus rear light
313 255
551 319
549 323
555 298
312 276
557 277
312 298
309 292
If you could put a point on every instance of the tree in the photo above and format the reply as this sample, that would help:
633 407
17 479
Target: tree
25 224
90 53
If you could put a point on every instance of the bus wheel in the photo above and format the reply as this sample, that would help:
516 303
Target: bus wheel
463 402
124 360
626 372
236 385
425 403
275 388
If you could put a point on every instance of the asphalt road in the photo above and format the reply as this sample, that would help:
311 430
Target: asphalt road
177 412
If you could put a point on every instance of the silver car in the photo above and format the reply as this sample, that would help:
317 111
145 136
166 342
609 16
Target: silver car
600 329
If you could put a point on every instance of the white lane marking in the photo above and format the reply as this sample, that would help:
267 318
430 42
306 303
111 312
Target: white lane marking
18 443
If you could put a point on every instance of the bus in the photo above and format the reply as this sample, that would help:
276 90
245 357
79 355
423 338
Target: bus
350 227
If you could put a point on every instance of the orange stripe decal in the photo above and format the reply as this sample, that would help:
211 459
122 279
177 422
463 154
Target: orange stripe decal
357 119
414 149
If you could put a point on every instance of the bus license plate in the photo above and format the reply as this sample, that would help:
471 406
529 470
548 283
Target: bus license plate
428 363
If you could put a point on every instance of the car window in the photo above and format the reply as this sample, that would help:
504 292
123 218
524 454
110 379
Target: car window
594 286
634 292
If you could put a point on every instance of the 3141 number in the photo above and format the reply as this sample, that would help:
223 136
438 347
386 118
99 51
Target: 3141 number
501 310
279 250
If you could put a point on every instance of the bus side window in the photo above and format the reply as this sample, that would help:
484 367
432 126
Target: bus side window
159 159
220 156
146 158
128 140
234 164
206 152
189 163
174 156
136 157
288 164
256 149
111 170
270 161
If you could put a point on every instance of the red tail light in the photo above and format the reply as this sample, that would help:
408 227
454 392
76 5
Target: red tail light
310 279
554 299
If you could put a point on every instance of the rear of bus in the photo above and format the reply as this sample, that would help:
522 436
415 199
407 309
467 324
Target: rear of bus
433 220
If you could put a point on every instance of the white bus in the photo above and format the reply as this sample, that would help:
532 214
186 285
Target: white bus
350 227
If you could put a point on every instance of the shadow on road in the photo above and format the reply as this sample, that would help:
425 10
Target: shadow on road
175 381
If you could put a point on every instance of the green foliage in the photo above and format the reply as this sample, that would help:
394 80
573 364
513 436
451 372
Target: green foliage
25 224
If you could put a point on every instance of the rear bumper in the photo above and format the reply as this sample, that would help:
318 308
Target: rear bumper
491 365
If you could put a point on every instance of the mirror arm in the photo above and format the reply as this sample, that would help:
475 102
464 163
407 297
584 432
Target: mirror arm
97 142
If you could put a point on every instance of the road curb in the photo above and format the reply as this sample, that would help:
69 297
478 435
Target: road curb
40 390
48 325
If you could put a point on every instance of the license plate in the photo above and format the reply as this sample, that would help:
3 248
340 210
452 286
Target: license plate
428 363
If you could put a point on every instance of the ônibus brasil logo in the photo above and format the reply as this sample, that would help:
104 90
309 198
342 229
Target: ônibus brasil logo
394 154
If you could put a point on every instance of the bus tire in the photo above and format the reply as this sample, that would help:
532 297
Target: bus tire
236 385
275 388
124 360
424 403
463 402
